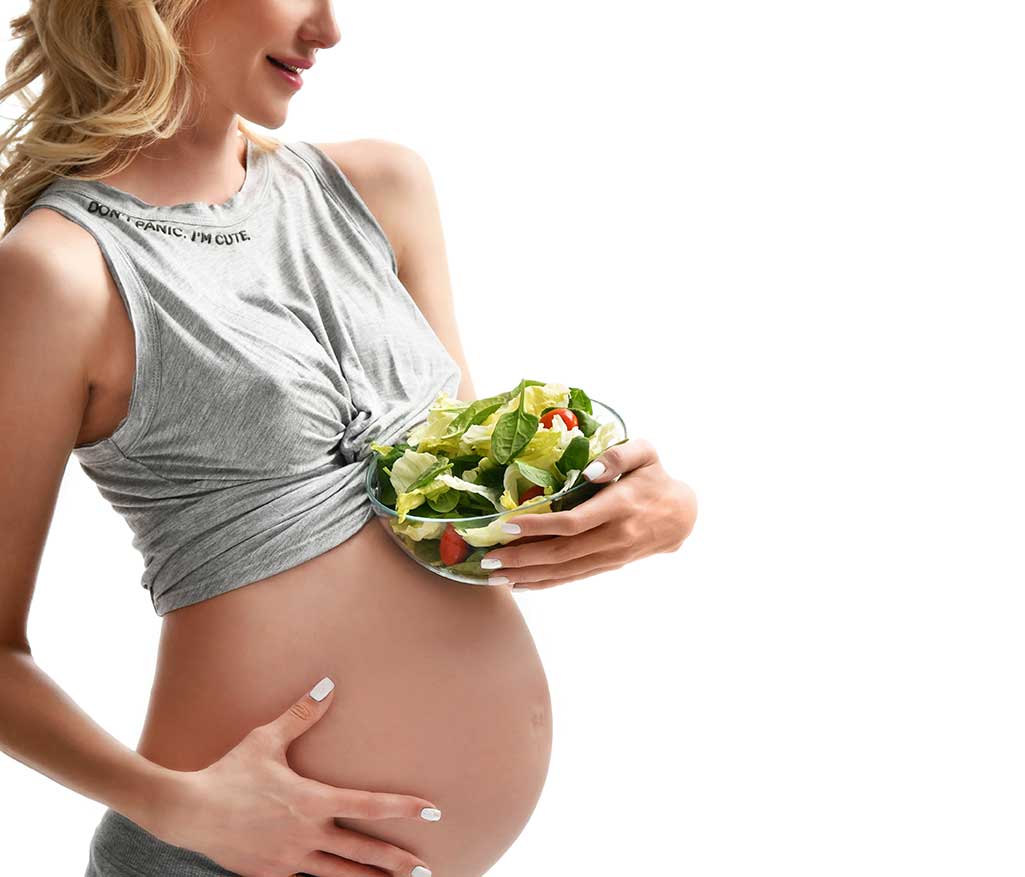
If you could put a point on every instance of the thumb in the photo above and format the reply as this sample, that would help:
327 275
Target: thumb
303 714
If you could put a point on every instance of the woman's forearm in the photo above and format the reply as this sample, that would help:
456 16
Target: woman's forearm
42 727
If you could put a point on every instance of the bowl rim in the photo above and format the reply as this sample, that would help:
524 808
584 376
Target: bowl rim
370 479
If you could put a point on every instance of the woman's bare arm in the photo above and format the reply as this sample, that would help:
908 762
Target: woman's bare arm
52 301
248 810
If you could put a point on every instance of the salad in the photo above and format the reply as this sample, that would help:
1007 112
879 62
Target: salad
520 452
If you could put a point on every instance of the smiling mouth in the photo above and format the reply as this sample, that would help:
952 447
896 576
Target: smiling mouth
284 66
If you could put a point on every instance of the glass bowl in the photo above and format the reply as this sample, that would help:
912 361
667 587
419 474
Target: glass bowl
426 551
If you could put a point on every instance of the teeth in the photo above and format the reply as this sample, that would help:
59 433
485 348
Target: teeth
287 66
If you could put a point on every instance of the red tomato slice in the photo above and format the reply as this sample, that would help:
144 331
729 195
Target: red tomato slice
568 417
531 492
452 547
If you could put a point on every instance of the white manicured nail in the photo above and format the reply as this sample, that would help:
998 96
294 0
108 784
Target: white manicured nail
593 470
431 814
322 689
420 871
498 580
508 527
491 563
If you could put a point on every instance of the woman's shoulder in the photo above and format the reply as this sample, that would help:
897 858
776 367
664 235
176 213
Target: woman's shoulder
54 263
374 162
386 175
56 250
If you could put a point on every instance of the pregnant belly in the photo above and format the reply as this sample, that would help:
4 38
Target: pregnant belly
439 692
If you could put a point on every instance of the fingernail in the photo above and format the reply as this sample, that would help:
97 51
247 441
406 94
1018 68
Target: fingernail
498 580
491 563
508 527
431 814
593 470
420 871
322 689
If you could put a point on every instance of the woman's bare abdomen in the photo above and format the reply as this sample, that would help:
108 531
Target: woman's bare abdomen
439 692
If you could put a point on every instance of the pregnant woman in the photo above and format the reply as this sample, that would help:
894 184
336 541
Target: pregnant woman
217 325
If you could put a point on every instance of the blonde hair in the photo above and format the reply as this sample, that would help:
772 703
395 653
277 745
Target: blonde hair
116 78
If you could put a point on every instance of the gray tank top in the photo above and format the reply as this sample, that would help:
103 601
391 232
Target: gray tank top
274 341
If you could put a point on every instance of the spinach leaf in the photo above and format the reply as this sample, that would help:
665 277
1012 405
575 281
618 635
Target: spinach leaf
428 550
385 492
538 476
512 432
444 502
474 413
470 566
585 422
493 477
435 469
578 399
575 456
472 504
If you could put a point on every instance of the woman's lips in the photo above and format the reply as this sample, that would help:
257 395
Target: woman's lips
293 78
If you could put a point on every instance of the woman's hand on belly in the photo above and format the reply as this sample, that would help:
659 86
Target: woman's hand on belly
441 693
252 814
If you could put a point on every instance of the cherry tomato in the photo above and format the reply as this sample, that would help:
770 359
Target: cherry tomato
452 547
568 417
531 492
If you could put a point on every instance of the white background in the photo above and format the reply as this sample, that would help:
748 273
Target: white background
784 241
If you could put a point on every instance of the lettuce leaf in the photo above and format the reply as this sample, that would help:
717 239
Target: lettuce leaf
411 499
419 530
457 483
427 436
492 534
604 437
543 450
477 438
410 466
